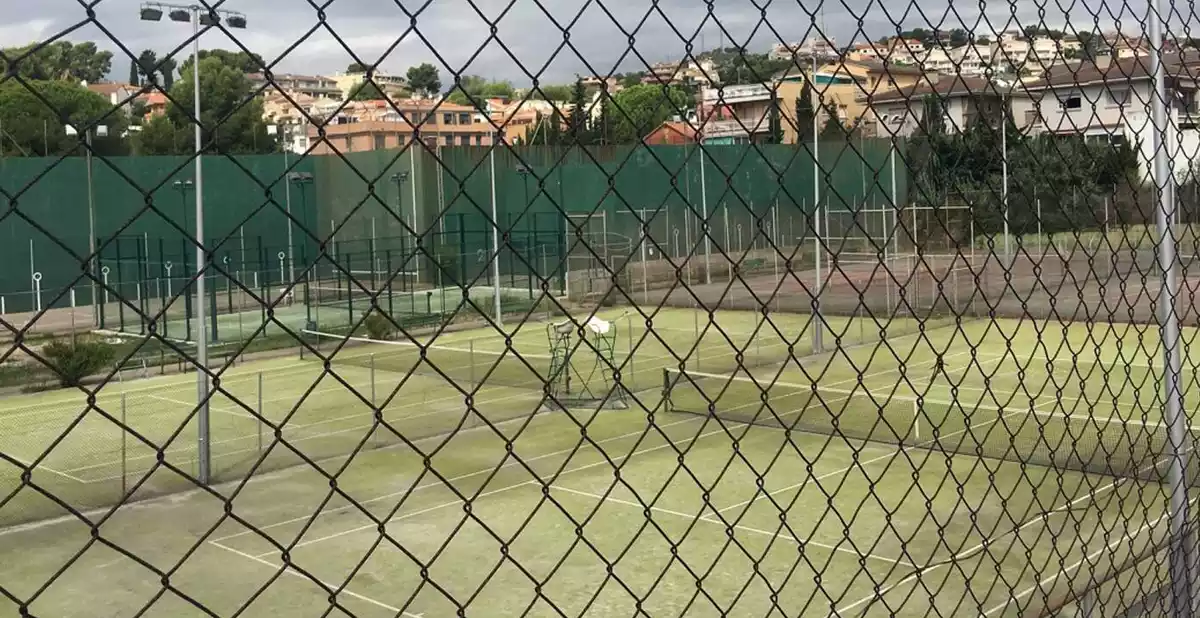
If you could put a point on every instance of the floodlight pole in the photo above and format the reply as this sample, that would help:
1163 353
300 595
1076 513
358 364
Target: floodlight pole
704 208
91 232
202 390
1004 181
287 196
818 337
1181 567
152 11
495 237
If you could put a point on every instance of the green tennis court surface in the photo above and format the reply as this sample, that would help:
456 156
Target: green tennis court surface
899 512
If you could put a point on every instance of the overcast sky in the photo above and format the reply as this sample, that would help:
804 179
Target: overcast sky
529 35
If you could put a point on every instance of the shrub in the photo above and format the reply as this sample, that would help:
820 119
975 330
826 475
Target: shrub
73 362
379 327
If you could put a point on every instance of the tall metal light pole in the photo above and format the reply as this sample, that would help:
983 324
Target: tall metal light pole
198 16
400 178
98 131
285 133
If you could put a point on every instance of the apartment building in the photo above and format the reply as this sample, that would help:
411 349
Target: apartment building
964 102
735 114
863 52
812 47
378 125
392 85
314 86
1111 101
702 74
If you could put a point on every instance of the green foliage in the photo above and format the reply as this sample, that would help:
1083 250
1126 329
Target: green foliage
240 60
61 60
135 74
167 67
474 87
805 112
578 124
356 67
231 118
75 361
368 91
630 80
32 128
423 79
748 68
379 327
551 92
640 109
147 65
774 127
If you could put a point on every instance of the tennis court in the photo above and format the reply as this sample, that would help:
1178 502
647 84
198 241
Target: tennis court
631 508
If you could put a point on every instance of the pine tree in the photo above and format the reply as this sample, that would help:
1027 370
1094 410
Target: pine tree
577 121
805 113
774 127
135 76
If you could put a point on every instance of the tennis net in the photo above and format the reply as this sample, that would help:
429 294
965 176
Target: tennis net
466 362
980 427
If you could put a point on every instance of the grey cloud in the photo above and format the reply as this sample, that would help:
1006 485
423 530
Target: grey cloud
455 30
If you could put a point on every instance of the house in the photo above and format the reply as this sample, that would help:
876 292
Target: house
843 86
735 114
314 86
973 59
379 125
117 93
702 74
812 47
964 101
392 85
156 104
900 50
863 52
1111 100
673 132
939 60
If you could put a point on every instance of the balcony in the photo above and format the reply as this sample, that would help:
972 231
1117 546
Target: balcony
732 95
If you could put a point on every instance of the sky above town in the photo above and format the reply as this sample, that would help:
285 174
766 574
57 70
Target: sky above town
454 35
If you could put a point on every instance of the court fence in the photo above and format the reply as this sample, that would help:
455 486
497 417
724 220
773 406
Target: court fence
901 328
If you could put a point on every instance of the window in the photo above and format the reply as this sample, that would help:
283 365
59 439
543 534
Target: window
1071 102
400 139
464 140
380 141
416 118
464 118
431 118
449 140
447 118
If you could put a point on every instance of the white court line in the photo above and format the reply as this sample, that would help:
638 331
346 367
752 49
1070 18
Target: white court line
780 535
439 483
416 513
346 590
65 475
891 455
115 391
1078 563
895 369
214 408
969 552
602 462
189 449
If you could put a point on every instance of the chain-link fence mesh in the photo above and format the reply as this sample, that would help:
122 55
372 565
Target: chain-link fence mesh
648 309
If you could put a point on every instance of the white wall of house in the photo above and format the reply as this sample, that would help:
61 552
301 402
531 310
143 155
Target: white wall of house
903 118
1123 109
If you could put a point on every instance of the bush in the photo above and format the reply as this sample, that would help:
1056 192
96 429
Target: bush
379 327
72 362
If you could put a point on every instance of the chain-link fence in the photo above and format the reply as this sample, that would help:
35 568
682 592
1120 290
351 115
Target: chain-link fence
643 309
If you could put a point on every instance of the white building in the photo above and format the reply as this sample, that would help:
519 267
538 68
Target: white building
1113 102
964 101
812 47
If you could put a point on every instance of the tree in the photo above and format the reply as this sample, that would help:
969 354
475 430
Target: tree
630 80
59 60
167 67
147 63
135 74
551 92
424 80
474 87
602 128
577 121
774 127
984 40
368 91
752 69
805 113
356 67
231 118
640 109
32 127
240 60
